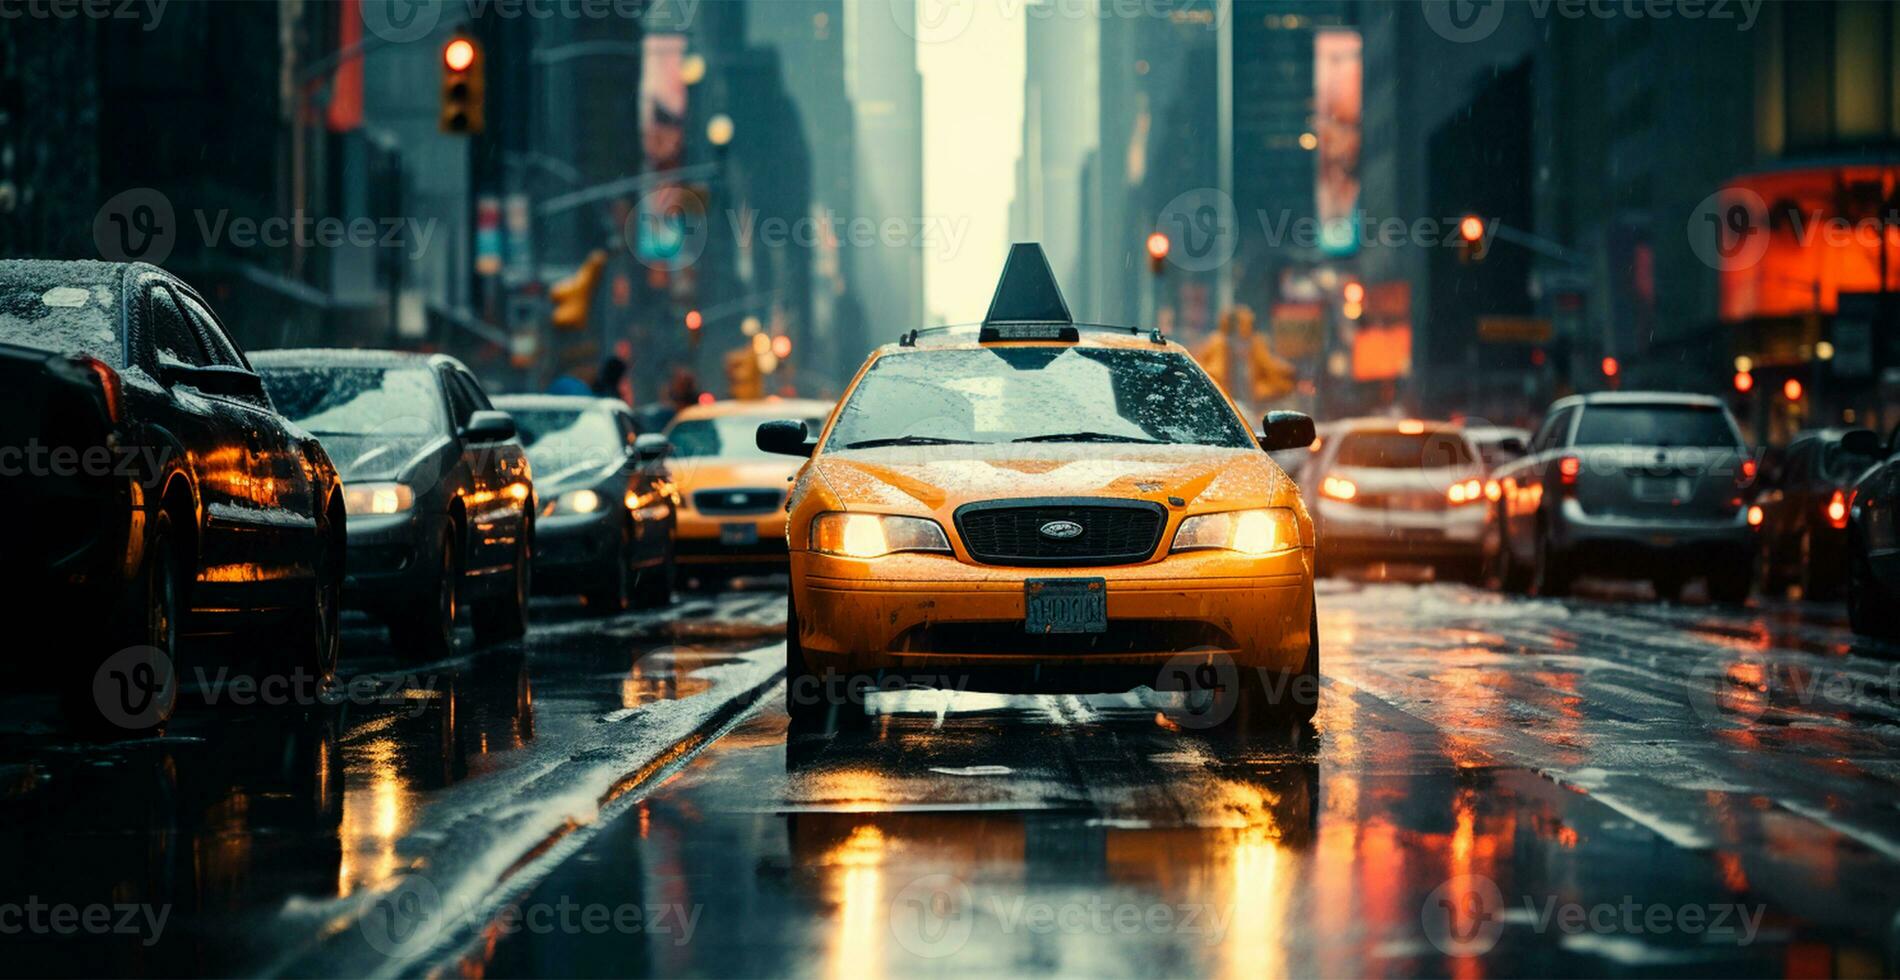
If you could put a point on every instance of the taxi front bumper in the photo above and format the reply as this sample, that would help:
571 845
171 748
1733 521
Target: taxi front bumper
933 615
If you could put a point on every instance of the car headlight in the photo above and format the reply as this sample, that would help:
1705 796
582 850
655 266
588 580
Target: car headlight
1250 532
872 535
576 502
377 498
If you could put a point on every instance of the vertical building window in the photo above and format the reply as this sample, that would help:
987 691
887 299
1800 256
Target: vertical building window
1861 53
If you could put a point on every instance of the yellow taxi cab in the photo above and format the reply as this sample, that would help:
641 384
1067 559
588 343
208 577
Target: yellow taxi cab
731 516
1035 505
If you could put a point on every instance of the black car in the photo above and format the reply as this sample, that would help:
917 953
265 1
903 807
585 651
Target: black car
605 529
438 489
1804 491
157 491
1873 542
1630 485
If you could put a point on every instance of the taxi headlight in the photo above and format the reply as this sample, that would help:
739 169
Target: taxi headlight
577 502
1250 532
377 498
872 535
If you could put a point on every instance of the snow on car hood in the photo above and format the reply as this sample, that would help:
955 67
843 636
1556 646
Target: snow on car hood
936 477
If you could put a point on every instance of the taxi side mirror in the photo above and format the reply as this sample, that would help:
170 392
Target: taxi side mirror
1286 430
786 437
1861 442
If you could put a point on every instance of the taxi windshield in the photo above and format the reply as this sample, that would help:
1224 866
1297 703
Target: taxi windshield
1036 394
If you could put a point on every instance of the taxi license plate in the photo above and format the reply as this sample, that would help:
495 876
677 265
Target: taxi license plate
1065 605
738 534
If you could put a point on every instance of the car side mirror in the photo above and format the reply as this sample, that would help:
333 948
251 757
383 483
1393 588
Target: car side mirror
651 448
1514 446
1862 442
213 379
785 437
1286 430
489 426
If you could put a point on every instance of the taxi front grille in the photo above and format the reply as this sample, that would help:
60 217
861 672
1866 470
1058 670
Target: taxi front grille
738 500
1017 532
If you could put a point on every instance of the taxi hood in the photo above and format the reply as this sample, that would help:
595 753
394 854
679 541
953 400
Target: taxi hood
935 478
713 473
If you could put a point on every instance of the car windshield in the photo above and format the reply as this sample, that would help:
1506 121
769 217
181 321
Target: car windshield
358 400
560 439
1403 450
1698 426
728 436
70 318
1036 394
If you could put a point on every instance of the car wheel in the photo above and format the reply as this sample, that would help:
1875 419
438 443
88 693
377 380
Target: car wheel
319 624
149 616
428 633
611 597
1513 577
653 587
1261 703
1728 584
809 697
1669 587
505 617
1819 583
1550 569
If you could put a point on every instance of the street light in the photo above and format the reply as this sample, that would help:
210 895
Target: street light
693 68
719 130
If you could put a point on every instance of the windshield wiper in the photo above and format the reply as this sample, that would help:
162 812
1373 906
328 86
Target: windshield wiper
1088 437
910 441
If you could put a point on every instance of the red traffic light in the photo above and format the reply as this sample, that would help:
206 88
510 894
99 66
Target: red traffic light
459 54
1158 246
1744 382
1610 367
693 320
781 347
1791 390
1471 228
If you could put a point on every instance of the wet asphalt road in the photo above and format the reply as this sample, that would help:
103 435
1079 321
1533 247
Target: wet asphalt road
1602 786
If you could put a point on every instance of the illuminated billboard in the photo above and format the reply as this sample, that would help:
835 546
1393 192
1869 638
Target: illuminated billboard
1337 88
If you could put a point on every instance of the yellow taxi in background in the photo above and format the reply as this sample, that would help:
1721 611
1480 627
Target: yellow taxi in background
1029 504
732 510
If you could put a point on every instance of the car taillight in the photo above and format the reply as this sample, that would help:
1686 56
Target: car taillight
108 384
1755 515
1567 470
1837 511
1493 491
1464 493
1338 488
1746 475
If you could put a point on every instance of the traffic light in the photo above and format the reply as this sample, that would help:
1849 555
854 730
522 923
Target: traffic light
743 378
1471 238
573 297
463 86
1158 246
1792 390
1744 382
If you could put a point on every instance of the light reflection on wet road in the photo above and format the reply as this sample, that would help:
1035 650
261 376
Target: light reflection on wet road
1493 787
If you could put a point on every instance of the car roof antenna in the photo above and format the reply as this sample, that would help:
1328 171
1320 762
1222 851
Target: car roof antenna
1027 292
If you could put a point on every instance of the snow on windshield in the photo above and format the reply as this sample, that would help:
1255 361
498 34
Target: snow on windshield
1038 393
357 400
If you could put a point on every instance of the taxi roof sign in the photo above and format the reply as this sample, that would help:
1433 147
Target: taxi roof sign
1027 292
